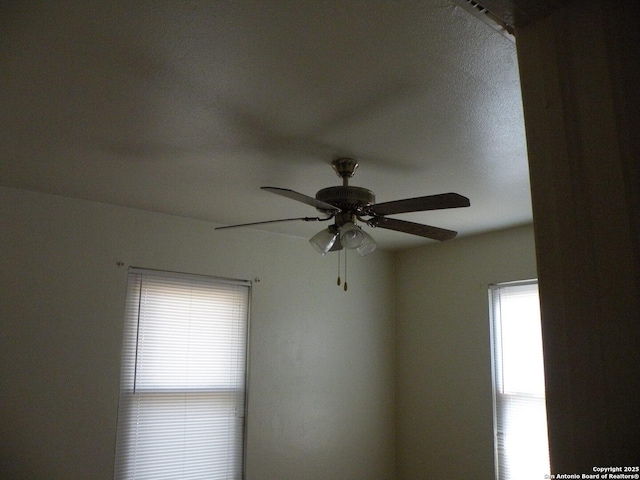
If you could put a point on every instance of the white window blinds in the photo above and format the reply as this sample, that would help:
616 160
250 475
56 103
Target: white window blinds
182 396
522 448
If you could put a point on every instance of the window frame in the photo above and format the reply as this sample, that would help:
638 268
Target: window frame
130 392
501 398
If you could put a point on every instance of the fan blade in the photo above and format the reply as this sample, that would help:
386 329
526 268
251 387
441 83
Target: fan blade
420 204
413 228
285 192
305 219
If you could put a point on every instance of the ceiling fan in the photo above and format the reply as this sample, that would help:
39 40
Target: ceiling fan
348 205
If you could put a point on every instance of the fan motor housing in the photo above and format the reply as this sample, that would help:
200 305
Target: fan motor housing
347 197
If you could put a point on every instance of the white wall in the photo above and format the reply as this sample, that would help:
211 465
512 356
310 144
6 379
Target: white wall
321 389
445 426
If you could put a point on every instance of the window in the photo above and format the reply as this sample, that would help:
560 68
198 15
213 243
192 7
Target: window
521 443
182 395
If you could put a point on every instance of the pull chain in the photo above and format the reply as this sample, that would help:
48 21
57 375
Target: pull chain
345 269
338 267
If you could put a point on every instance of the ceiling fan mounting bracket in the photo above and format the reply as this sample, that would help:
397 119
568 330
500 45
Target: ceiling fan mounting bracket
344 167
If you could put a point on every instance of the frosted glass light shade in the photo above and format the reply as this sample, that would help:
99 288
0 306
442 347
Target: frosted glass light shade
368 244
351 236
324 240
354 238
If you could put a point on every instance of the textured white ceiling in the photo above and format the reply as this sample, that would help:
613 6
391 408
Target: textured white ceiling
189 107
